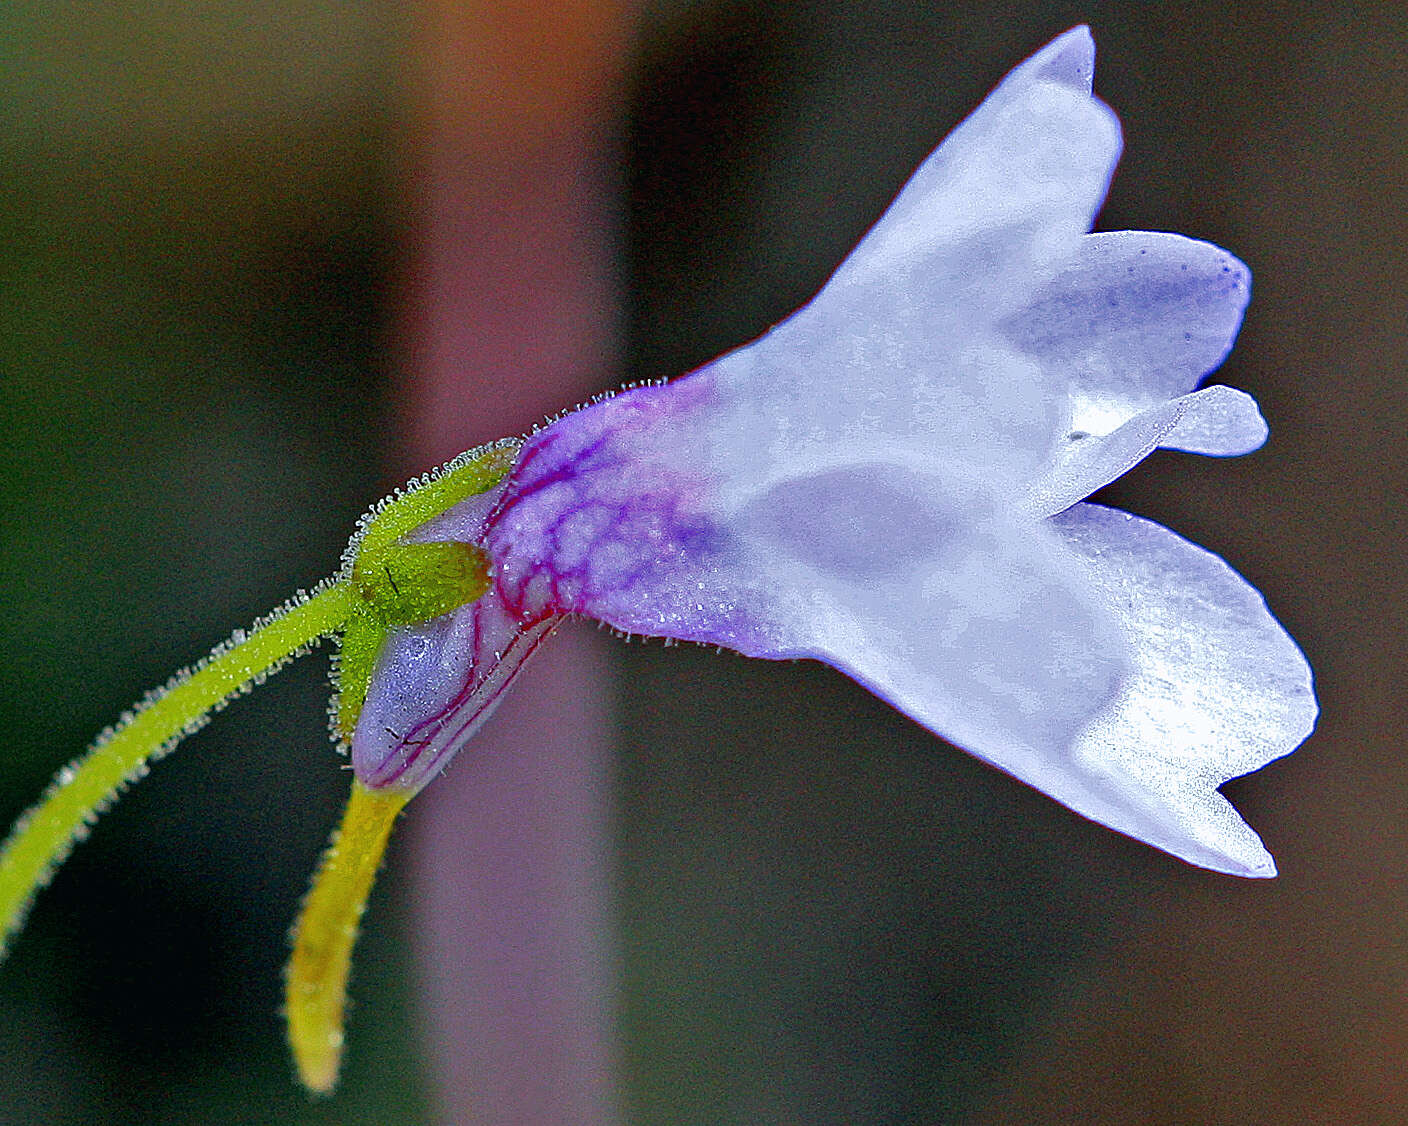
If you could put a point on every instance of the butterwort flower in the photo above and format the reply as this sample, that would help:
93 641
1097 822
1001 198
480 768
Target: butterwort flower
892 481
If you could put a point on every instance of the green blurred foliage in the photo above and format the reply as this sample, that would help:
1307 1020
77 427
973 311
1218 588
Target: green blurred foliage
194 249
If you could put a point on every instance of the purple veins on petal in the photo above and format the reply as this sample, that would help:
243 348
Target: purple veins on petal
435 683
614 512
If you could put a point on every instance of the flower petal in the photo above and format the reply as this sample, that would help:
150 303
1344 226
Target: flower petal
617 512
903 572
650 511
1135 320
1019 181
1218 690
915 584
901 342
1215 420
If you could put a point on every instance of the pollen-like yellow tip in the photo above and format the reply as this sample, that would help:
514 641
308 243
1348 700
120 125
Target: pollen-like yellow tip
316 986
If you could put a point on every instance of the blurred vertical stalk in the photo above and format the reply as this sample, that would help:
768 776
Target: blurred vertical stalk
510 313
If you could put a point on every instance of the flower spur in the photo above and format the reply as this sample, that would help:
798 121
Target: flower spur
892 481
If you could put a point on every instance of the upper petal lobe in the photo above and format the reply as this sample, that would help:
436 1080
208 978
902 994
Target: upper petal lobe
1133 320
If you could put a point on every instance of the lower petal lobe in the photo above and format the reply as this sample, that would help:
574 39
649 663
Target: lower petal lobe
922 589
1218 690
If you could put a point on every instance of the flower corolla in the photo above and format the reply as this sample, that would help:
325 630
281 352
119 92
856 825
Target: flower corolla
893 481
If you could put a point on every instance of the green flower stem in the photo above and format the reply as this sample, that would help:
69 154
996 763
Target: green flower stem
44 836
382 584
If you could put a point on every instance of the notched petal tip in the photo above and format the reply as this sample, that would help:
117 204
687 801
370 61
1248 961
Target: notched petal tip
1189 819
1234 848
1219 690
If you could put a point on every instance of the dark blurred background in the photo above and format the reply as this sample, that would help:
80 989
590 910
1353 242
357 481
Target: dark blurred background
822 914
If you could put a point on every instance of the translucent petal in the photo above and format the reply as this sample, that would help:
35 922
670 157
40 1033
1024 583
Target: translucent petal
857 486
1215 420
1220 422
1218 690
971 398
1021 178
913 582
902 571
617 512
901 343
1136 319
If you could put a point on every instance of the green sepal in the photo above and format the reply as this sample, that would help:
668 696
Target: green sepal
403 584
362 639
414 582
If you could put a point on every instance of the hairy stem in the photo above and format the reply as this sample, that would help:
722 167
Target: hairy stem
45 835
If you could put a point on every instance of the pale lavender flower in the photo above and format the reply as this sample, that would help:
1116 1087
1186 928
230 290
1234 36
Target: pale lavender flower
890 481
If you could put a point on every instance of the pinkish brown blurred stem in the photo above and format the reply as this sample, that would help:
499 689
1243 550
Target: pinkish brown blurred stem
508 315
